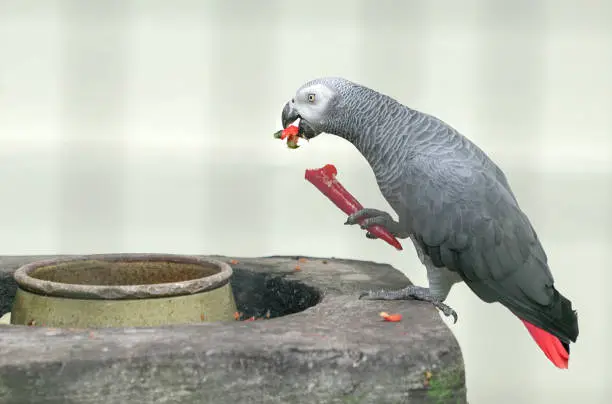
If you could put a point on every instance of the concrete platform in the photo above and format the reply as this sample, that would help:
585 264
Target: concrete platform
321 345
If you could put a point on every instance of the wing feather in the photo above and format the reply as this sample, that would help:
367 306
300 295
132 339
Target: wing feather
467 220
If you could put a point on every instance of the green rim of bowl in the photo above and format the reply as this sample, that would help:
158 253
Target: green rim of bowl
116 292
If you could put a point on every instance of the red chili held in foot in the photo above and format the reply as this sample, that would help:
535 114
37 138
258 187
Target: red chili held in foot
324 179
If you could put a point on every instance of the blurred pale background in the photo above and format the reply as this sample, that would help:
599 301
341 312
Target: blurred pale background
147 126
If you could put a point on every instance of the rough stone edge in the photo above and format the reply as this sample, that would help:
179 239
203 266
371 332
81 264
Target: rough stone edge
326 329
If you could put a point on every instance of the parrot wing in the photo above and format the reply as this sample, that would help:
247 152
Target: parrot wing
468 221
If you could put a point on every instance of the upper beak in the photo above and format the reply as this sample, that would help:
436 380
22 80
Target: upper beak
289 114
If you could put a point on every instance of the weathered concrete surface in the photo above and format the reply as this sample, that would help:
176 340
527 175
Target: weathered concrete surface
338 351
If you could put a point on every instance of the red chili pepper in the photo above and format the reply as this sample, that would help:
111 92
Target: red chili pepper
289 131
291 134
324 179
292 141
393 318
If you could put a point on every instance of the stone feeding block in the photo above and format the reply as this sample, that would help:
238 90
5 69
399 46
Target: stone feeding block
313 342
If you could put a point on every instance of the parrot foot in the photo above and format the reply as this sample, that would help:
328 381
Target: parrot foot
410 293
369 217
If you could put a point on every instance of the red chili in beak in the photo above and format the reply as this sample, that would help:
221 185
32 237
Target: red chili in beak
289 131
291 134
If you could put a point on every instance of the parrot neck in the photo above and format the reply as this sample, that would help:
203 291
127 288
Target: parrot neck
383 132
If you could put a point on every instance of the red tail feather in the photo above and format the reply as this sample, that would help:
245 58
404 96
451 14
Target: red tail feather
550 345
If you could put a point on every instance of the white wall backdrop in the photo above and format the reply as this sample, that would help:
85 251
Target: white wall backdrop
146 126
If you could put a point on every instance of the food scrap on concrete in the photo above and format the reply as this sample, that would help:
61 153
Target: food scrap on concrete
393 318
238 317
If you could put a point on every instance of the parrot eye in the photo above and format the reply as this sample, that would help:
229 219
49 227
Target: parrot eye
311 97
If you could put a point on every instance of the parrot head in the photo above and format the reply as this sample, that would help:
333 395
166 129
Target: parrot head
317 104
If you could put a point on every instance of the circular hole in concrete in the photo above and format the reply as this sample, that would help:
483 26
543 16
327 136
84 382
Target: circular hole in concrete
259 293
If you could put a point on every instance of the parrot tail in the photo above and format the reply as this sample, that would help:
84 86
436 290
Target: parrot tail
554 349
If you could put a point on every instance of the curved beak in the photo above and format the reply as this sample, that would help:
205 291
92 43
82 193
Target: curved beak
289 114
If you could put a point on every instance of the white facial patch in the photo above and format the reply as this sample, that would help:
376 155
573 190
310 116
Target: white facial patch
314 111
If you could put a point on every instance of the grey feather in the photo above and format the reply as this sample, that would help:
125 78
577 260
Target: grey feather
455 202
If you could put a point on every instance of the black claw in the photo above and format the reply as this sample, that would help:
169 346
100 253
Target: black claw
354 217
453 313
448 311
350 220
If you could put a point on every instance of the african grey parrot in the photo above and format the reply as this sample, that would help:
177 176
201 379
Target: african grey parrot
452 201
